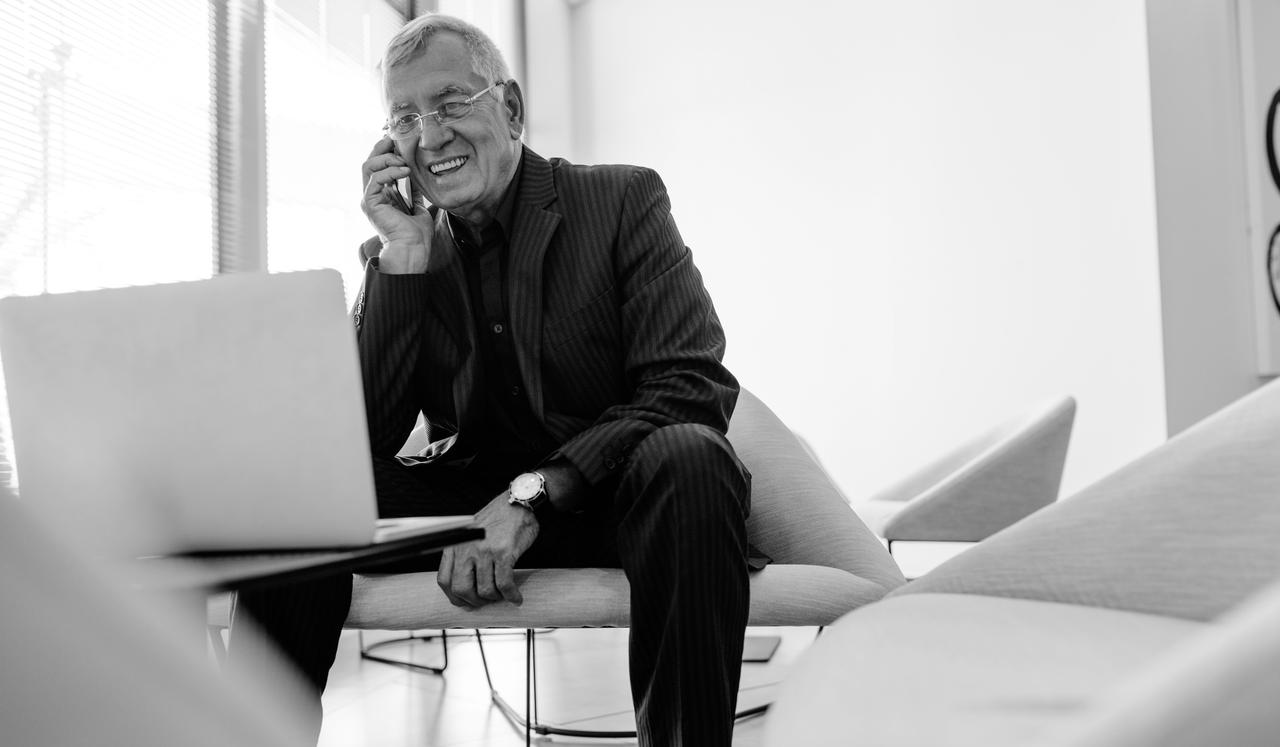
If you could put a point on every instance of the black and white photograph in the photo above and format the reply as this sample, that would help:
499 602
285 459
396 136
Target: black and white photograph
666 373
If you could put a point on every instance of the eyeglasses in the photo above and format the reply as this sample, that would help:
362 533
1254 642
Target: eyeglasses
410 125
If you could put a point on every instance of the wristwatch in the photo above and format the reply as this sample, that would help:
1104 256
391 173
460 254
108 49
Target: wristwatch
530 490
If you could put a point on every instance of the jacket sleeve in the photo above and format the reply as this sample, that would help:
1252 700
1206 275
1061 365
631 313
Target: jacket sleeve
387 315
674 344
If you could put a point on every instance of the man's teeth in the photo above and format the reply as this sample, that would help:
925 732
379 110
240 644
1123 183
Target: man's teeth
440 168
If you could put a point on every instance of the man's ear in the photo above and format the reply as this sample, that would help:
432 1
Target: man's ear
513 97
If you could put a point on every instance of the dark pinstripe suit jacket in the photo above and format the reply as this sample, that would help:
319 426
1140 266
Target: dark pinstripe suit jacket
614 331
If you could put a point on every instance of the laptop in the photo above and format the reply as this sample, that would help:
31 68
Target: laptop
217 415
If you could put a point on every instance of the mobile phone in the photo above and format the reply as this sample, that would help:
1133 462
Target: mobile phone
401 195
405 188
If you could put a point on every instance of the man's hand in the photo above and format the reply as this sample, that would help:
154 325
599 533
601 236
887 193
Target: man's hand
406 238
479 572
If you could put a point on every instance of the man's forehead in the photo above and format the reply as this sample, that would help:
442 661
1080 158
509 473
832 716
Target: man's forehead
444 68
427 79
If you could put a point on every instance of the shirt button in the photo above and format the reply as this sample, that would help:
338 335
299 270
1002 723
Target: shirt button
497 328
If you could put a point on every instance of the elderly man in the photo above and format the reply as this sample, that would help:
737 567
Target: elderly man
548 322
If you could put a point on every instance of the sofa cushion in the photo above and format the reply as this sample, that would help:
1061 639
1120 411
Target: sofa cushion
1221 687
954 669
596 597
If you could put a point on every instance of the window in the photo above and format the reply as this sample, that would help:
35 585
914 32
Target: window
105 139
106 151
112 159
108 142
324 114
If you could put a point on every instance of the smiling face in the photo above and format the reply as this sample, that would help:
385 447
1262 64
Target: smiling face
463 167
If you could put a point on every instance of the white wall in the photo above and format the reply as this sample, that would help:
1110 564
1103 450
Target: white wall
916 218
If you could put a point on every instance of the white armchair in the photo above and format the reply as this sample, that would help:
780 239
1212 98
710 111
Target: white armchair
825 562
981 486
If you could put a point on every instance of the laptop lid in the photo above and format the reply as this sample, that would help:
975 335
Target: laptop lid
219 414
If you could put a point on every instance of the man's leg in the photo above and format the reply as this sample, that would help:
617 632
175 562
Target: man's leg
681 507
304 621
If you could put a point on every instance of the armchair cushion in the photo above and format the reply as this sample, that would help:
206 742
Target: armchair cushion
595 598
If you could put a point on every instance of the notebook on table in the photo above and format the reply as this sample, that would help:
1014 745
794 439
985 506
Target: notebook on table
216 415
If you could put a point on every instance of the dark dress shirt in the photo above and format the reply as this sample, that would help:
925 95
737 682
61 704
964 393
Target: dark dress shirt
511 438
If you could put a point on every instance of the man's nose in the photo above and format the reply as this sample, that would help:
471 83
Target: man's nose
434 135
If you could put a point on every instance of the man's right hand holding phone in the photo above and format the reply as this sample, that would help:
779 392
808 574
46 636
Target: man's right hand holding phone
406 231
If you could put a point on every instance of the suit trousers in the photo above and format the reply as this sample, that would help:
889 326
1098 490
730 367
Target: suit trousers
674 521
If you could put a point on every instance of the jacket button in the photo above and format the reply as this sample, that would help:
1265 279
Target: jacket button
610 463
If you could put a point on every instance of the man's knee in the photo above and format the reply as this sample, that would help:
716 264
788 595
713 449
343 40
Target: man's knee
683 446
695 456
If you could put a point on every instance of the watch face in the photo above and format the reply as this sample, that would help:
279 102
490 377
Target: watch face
526 486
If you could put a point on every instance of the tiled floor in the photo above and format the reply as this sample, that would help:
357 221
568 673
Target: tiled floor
582 679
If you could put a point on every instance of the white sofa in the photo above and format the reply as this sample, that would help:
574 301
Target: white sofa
1112 617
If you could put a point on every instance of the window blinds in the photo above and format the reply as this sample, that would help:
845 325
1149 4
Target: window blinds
104 149
104 144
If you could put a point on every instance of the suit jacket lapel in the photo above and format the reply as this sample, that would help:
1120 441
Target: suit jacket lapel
530 236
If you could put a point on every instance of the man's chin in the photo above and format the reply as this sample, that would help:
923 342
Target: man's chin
452 200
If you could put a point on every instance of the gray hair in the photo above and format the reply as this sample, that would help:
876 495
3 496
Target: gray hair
412 40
